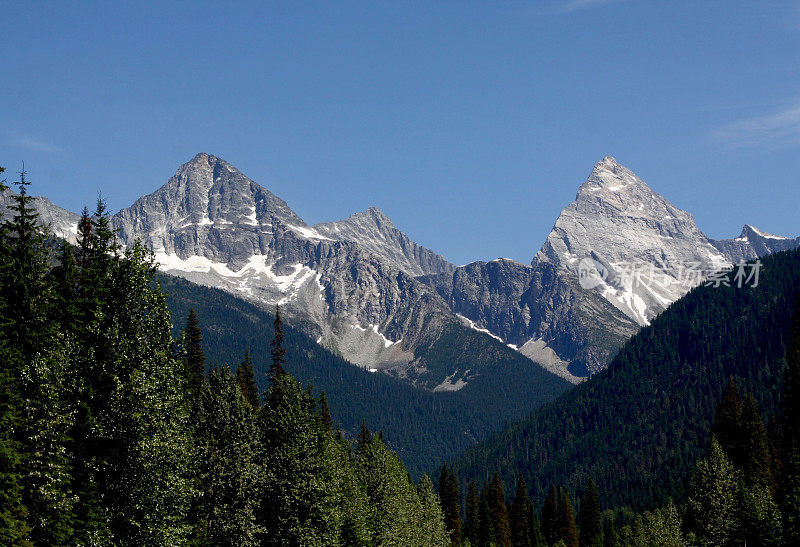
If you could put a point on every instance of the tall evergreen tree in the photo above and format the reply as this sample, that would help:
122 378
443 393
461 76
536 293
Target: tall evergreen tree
450 499
499 512
472 522
364 438
727 427
38 359
195 356
610 535
246 378
569 530
520 515
591 519
711 510
755 447
790 489
278 352
551 528
14 528
486 532
325 412
230 477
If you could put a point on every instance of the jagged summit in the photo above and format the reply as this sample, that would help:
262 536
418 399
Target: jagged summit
208 209
375 232
611 181
618 220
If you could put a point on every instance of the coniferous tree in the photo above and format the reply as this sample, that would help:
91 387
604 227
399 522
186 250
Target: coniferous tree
610 535
292 442
14 528
486 532
727 426
432 529
472 522
551 527
195 356
364 438
591 517
755 448
499 512
520 515
325 412
536 538
790 488
246 378
712 497
230 477
37 359
569 530
278 352
451 503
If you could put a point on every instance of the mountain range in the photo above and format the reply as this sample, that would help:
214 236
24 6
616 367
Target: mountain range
364 290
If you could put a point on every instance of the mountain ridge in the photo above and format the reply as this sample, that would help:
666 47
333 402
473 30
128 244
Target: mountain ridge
369 292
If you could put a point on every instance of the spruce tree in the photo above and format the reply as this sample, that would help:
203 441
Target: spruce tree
499 512
14 528
569 530
591 519
472 523
364 438
37 357
536 538
486 531
450 499
790 487
195 356
727 427
246 378
278 353
230 478
432 529
610 535
755 446
711 510
520 515
325 412
550 517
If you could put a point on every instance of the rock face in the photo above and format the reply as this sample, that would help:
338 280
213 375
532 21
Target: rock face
646 244
374 232
350 282
616 257
753 243
61 222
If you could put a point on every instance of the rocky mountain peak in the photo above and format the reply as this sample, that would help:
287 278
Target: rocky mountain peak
611 182
618 221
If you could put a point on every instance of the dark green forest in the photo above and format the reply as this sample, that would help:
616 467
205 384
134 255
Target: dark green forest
424 428
115 432
640 429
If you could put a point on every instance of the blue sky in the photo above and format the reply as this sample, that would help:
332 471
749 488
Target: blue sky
471 124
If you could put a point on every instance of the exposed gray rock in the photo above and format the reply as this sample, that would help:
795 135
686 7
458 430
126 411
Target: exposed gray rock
61 222
648 254
374 232
752 244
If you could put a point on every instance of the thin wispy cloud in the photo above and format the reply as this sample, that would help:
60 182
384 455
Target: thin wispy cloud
570 6
780 129
37 145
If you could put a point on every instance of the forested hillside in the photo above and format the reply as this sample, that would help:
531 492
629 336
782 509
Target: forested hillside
425 428
638 428
113 432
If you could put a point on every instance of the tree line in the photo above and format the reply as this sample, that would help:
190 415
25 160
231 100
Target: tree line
115 432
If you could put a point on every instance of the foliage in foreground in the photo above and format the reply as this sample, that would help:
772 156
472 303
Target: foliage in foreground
112 432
